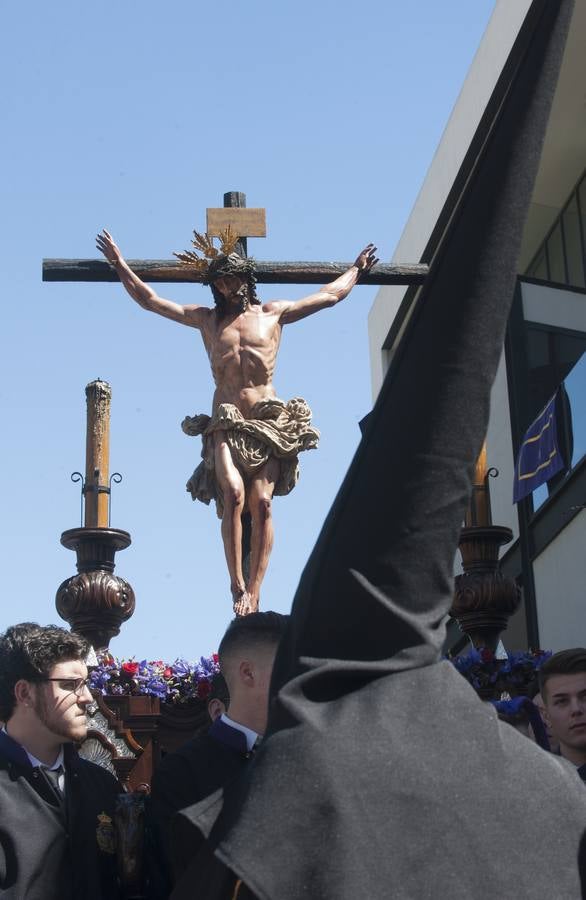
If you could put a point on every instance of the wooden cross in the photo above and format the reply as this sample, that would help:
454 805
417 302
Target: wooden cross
246 223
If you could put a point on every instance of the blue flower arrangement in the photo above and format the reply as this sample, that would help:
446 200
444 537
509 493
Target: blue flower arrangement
178 682
491 676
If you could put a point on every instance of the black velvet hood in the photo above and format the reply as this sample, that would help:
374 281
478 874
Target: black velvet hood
383 775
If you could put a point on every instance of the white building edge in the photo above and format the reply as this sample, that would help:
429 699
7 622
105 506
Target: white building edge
547 329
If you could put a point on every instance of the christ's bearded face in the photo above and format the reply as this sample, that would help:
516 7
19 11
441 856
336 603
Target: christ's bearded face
233 289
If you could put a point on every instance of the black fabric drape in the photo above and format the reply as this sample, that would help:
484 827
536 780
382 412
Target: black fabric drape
383 775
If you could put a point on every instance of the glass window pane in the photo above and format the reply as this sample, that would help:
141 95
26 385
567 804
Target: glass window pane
555 252
573 241
576 388
541 369
568 349
537 347
539 267
540 495
582 197
551 355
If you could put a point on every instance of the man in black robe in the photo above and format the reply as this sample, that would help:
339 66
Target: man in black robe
56 809
382 774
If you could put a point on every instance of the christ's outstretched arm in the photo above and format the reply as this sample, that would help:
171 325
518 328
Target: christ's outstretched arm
142 293
330 294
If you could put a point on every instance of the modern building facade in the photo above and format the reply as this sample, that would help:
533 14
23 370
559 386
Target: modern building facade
547 330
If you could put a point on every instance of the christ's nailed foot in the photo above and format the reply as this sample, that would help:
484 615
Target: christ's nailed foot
244 604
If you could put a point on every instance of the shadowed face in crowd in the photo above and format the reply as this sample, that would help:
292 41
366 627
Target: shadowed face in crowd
565 704
553 741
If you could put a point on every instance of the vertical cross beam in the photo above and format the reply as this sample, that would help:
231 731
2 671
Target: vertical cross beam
237 200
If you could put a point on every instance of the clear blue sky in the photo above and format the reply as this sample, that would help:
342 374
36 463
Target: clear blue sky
137 116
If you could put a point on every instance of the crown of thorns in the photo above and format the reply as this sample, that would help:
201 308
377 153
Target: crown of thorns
215 263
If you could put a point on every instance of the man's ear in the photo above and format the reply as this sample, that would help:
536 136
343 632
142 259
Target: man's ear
216 708
246 672
23 692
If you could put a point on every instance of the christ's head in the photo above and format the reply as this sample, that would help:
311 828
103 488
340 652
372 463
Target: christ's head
233 284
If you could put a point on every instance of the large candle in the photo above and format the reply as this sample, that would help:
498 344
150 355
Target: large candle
97 454
479 510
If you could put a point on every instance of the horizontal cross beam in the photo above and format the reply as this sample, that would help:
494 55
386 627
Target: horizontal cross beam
171 271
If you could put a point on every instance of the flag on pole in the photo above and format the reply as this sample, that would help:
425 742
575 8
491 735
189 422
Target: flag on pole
542 453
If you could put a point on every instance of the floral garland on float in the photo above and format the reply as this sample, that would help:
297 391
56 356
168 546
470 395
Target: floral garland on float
492 677
180 682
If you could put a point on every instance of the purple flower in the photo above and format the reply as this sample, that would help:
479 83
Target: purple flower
517 672
178 682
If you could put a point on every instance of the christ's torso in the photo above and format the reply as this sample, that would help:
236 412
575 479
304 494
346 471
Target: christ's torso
242 349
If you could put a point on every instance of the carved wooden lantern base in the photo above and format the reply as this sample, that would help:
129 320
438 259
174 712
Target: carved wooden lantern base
484 598
95 602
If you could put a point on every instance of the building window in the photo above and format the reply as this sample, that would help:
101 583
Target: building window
553 356
573 242
561 258
556 256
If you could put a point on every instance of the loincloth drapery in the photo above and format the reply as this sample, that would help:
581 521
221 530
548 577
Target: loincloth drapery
275 430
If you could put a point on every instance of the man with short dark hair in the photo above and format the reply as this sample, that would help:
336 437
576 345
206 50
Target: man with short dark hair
219 698
213 759
562 680
56 825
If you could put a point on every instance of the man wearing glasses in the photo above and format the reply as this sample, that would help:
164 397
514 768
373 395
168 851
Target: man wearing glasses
56 825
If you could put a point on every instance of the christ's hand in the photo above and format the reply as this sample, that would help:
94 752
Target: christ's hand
366 260
105 243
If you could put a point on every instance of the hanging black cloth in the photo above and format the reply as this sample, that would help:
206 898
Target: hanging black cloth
382 774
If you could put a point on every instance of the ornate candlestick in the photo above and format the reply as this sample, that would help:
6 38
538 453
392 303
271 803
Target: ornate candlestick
96 602
484 598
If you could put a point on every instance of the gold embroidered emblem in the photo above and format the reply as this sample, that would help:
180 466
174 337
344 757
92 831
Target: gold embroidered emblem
105 834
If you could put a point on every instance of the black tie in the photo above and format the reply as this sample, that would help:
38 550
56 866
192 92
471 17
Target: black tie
53 775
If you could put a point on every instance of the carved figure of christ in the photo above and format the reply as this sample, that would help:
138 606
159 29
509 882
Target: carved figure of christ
242 341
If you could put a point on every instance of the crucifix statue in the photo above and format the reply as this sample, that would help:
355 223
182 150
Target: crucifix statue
252 439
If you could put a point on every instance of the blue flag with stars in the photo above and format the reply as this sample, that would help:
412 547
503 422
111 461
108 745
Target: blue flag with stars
541 455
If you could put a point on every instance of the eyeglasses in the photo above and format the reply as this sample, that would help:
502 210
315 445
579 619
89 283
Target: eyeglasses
73 685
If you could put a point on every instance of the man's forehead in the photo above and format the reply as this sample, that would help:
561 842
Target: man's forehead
69 668
566 684
253 650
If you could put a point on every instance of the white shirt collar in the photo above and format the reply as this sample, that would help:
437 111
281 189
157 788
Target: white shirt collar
35 763
250 735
